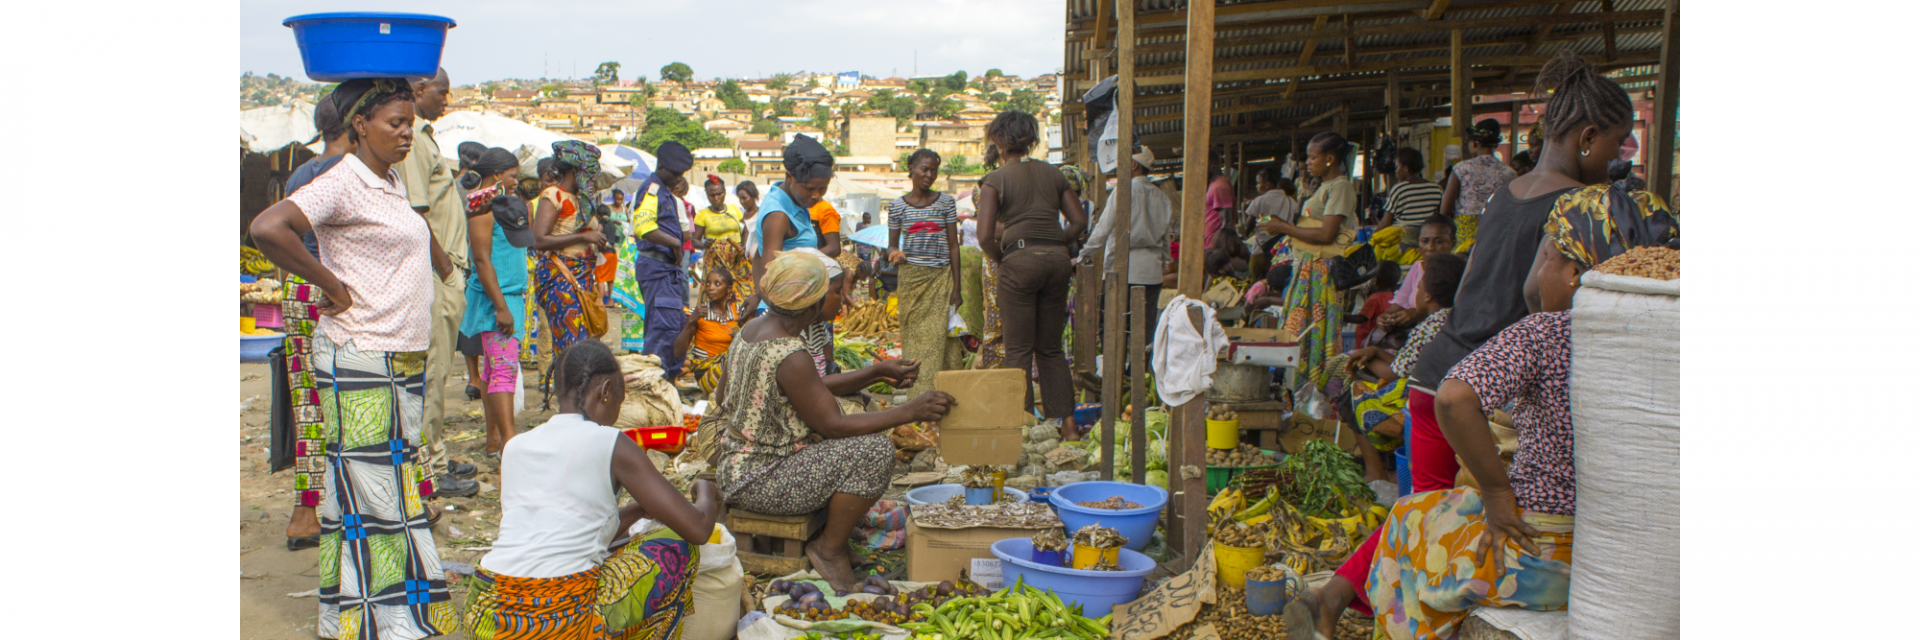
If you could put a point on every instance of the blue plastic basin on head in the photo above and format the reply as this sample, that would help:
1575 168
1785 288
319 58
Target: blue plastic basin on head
1134 524
337 47
1096 591
937 493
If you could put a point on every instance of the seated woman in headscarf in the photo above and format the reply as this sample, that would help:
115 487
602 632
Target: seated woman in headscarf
716 231
778 438
550 574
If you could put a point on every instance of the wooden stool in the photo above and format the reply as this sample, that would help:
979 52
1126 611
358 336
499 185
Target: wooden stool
788 533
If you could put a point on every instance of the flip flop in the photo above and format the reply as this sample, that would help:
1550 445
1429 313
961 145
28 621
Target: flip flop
309 542
473 392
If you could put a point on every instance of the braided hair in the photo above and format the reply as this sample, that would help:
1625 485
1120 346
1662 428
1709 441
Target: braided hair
1335 145
1580 96
579 365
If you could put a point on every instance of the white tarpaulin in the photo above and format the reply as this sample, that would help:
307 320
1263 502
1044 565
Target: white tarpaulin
529 142
278 126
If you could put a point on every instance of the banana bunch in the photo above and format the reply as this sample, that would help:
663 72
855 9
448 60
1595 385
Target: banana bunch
252 261
1261 511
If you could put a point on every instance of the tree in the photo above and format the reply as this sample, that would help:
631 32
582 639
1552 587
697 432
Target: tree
735 97
326 89
765 127
732 165
779 81
665 124
609 141
639 101
608 73
813 83
942 105
994 73
822 117
839 149
1025 99
553 90
958 166
676 72
901 161
487 89
271 101
955 82
783 108
997 96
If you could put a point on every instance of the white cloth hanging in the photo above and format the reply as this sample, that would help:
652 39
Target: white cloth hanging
1183 355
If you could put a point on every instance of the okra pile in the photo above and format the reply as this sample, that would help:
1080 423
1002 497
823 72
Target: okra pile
1017 612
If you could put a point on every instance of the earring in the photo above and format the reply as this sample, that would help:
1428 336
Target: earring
1584 152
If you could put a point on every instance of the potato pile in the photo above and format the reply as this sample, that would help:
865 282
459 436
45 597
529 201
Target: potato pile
869 319
1220 413
1245 455
1659 263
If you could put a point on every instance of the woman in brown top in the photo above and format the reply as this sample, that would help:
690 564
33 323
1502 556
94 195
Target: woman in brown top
1028 197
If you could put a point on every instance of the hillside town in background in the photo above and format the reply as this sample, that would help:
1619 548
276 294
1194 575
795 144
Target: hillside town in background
740 126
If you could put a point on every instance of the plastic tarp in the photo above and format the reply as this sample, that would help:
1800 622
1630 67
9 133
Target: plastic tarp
271 128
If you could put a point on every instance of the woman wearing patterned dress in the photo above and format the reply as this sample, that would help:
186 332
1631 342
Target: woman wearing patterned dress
1473 181
380 573
559 512
1326 226
923 240
566 237
779 440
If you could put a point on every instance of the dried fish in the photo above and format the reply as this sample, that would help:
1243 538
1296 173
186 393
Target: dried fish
1099 537
1115 502
1054 539
1022 515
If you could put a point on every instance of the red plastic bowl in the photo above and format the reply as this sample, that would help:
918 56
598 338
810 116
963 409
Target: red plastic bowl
665 439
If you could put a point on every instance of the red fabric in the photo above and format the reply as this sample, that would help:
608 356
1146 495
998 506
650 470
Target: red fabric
1376 305
1434 469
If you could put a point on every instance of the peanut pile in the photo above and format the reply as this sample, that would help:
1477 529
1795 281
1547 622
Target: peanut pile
1659 263
1245 455
1115 502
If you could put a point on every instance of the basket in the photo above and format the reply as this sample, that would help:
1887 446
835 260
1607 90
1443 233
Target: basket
337 47
665 439
267 315
1219 477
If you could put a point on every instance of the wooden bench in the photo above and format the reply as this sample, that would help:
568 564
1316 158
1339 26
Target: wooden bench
785 536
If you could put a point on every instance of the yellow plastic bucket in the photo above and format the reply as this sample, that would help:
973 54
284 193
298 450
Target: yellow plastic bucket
246 324
1223 434
1235 562
1085 557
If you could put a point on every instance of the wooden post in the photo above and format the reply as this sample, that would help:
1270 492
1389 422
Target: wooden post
1393 105
1462 112
1116 276
1137 362
1666 109
1513 128
1186 437
1086 320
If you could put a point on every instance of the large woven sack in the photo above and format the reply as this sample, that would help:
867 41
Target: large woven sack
716 592
651 399
1624 384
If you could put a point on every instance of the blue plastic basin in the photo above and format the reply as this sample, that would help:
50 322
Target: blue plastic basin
934 493
256 348
337 47
1135 524
1096 591
1086 414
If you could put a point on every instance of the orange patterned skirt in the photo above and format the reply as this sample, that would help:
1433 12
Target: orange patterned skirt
641 592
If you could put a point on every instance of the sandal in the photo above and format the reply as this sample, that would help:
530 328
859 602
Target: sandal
309 542
473 392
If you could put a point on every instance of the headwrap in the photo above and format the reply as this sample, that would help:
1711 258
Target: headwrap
673 157
834 270
713 179
1076 178
469 151
1595 223
806 159
353 96
794 281
583 157
485 163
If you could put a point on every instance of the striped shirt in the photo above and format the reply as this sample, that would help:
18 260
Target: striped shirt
1411 204
923 230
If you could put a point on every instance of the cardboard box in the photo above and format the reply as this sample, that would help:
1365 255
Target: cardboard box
985 425
934 555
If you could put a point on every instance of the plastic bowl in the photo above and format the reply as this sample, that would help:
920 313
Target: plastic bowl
337 47
1096 591
935 493
667 438
256 348
1135 524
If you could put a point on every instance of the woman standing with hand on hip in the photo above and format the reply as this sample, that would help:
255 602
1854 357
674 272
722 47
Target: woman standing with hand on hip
380 571
923 239
1035 265
1327 224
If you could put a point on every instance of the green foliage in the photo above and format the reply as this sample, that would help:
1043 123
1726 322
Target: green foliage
955 82
730 92
609 141
676 72
822 117
553 90
666 124
942 105
767 126
959 166
839 149
328 90
901 161
732 165
780 81
1025 99
994 73
783 109
997 96
487 89
813 82
640 101
607 73
896 105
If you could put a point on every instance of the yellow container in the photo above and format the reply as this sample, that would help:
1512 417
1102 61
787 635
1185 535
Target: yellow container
1086 557
246 324
1235 562
1223 434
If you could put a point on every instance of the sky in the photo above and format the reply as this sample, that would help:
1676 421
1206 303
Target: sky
498 39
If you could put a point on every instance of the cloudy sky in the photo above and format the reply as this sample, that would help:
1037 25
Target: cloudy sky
718 38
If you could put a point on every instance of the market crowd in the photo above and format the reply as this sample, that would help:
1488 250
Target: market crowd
1421 310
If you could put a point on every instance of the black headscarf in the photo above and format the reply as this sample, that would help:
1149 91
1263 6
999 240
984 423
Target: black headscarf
487 162
806 159
469 151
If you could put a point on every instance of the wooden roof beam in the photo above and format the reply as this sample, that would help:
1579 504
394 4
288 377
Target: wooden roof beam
1300 71
1437 9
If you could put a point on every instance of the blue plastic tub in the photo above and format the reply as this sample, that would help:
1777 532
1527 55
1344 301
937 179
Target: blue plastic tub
934 493
1040 494
337 47
1403 470
256 348
1135 524
1096 591
1086 414
980 497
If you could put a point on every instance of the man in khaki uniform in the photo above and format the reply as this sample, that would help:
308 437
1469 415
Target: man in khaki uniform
429 179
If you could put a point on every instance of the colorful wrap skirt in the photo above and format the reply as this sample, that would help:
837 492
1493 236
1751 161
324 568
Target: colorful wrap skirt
641 592
380 573
924 294
560 301
1377 403
1424 582
1314 313
300 308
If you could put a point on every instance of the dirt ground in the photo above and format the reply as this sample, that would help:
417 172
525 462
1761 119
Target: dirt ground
269 572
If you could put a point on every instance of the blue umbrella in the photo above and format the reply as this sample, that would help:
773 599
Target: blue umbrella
875 235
